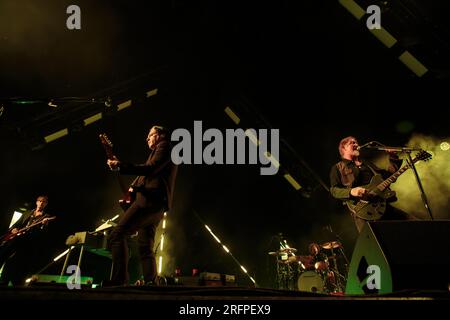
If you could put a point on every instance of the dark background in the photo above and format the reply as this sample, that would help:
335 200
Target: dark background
309 69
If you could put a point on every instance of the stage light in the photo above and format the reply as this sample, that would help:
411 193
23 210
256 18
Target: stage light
274 161
62 254
16 216
124 105
92 119
232 115
228 251
56 135
160 264
445 146
353 8
292 181
210 231
384 36
161 243
251 135
152 92
52 104
413 64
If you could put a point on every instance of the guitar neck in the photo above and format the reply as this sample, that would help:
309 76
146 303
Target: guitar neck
386 183
36 223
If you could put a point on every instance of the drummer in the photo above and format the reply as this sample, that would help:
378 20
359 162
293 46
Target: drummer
319 260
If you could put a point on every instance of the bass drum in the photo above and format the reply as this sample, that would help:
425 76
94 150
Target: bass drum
311 281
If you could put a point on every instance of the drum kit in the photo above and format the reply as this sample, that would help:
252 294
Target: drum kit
319 271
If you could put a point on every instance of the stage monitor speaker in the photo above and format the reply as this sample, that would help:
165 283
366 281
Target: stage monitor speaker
391 256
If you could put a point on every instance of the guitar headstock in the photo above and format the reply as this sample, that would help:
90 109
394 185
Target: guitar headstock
105 140
423 155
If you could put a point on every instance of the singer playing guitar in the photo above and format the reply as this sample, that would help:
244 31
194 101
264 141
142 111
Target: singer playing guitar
353 180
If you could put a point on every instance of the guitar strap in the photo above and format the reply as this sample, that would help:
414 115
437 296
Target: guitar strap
371 168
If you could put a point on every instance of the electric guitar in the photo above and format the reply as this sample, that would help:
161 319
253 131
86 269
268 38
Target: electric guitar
128 192
372 206
9 236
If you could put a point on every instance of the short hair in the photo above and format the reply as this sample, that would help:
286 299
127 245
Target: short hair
343 142
162 131
43 197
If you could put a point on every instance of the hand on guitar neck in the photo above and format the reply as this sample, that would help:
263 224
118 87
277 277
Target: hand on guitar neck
113 163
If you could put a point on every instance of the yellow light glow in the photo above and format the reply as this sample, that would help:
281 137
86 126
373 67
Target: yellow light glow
15 218
164 224
162 242
232 115
413 64
243 269
292 181
124 105
56 135
225 248
445 146
152 92
250 134
61 255
92 119
274 161
160 264
353 8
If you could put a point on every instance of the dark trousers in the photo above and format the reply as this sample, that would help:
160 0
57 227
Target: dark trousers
19 256
142 216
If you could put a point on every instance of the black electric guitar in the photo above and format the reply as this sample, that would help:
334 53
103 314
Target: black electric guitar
10 235
128 192
373 206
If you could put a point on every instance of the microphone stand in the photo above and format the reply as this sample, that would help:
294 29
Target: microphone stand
410 162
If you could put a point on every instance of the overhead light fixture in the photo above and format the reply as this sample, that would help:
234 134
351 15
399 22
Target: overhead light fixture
233 116
51 103
124 105
152 92
92 119
56 135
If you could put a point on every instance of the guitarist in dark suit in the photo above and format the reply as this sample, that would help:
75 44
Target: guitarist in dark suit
153 196
20 246
348 176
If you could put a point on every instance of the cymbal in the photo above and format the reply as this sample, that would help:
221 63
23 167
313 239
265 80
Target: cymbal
331 245
282 251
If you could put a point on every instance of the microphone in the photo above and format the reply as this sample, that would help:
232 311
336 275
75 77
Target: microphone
365 145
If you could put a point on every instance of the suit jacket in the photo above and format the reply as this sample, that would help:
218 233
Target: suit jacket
157 175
